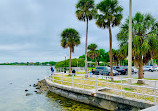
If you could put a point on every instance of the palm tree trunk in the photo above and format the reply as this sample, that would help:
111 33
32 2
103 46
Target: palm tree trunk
70 63
119 62
140 73
110 38
86 48
113 61
96 62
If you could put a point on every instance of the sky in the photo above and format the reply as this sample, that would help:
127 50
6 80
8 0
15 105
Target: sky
30 29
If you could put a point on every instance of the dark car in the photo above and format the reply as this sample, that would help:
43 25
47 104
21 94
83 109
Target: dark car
101 70
121 70
126 68
114 72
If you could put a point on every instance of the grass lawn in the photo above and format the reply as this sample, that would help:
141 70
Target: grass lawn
78 80
90 68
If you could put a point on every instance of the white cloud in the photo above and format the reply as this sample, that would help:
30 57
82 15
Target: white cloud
30 29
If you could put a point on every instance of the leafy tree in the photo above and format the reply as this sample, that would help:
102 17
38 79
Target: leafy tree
52 63
70 38
93 53
145 40
73 63
83 57
85 12
121 55
37 63
110 16
101 56
114 56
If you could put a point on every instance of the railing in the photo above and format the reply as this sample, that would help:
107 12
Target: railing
103 84
77 69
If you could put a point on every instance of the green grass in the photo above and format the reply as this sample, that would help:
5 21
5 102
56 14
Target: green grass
108 84
90 68
137 84
150 79
128 89
144 78
117 81
80 72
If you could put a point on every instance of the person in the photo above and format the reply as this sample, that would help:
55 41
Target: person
74 72
92 71
52 70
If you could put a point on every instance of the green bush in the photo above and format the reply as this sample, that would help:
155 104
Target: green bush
81 63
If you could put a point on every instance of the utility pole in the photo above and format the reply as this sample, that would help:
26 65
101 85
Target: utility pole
65 64
130 41
77 66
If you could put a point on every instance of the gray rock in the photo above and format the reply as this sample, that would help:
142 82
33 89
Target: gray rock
28 94
38 92
26 90
37 87
34 85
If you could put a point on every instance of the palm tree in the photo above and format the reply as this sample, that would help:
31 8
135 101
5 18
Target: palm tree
93 53
85 12
92 47
114 57
110 15
144 42
70 38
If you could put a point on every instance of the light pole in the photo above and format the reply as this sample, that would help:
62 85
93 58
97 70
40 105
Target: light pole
65 64
130 41
77 66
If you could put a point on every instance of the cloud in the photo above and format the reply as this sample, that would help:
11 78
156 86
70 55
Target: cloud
16 47
30 29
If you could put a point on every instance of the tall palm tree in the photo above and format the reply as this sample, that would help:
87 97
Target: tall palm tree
110 16
85 12
70 38
145 40
114 56
93 53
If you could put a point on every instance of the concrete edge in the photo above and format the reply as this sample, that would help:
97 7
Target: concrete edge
128 101
153 108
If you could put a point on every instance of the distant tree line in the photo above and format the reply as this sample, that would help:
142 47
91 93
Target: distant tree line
52 63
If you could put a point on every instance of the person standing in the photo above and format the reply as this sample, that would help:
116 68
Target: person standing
52 70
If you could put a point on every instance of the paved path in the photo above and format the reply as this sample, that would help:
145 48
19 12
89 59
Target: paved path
154 108
151 75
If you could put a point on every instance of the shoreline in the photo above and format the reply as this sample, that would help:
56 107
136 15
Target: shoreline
103 101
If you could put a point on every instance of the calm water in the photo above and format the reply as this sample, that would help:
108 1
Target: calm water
15 79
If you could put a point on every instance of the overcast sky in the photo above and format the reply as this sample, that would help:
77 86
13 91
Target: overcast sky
30 29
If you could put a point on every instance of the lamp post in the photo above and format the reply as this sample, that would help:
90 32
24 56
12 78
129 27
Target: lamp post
130 41
77 66
65 64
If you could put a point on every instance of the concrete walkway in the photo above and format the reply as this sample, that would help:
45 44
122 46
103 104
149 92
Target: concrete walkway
153 108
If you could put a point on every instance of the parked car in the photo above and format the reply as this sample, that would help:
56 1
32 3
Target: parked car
135 70
120 69
101 70
148 68
126 69
156 68
114 72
